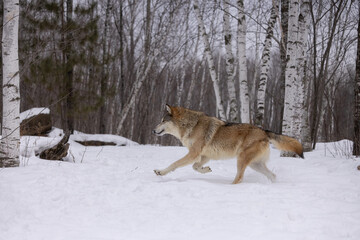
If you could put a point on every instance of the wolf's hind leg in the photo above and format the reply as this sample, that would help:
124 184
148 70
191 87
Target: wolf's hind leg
259 165
249 155
242 163
198 166
261 168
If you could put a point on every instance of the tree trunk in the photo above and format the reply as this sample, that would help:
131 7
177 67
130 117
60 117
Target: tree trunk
69 89
194 77
10 141
254 89
241 45
203 86
265 65
184 60
211 64
283 55
304 21
306 130
291 75
140 78
292 88
1 62
117 104
230 65
321 75
356 147
104 71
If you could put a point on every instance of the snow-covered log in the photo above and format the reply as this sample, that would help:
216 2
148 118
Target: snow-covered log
35 122
59 151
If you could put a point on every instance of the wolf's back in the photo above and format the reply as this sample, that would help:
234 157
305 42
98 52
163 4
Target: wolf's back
285 143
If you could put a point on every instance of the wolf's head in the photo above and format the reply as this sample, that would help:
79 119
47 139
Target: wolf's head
168 124
177 121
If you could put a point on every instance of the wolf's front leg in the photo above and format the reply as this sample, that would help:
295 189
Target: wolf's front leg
199 166
188 159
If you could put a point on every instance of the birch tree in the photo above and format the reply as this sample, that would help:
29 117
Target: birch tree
241 47
140 78
265 64
10 141
184 59
194 73
304 22
230 65
283 55
210 60
295 120
291 76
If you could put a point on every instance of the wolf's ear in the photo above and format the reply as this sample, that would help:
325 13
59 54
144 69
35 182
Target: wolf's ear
168 108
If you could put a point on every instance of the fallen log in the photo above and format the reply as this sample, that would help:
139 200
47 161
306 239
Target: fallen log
38 125
96 143
59 151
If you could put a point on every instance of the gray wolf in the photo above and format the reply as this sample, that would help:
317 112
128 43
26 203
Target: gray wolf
210 138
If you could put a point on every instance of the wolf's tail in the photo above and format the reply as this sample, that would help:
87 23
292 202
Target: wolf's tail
285 143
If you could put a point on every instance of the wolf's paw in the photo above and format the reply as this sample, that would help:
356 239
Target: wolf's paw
272 177
205 170
158 172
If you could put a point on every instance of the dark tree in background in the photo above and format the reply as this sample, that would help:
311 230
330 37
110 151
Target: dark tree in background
69 63
356 148
1 74
56 38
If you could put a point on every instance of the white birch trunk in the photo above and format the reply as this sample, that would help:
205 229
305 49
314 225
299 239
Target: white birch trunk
241 45
203 86
301 47
181 82
291 74
184 60
304 22
193 76
10 141
254 92
209 57
140 78
230 62
265 65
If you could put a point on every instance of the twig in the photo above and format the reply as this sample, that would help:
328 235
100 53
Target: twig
82 158
99 152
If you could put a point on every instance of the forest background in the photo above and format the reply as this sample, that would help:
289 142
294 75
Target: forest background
110 66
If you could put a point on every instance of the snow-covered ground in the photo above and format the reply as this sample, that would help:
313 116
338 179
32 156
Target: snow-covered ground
112 192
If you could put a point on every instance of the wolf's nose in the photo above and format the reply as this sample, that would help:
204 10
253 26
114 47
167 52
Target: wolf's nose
153 131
